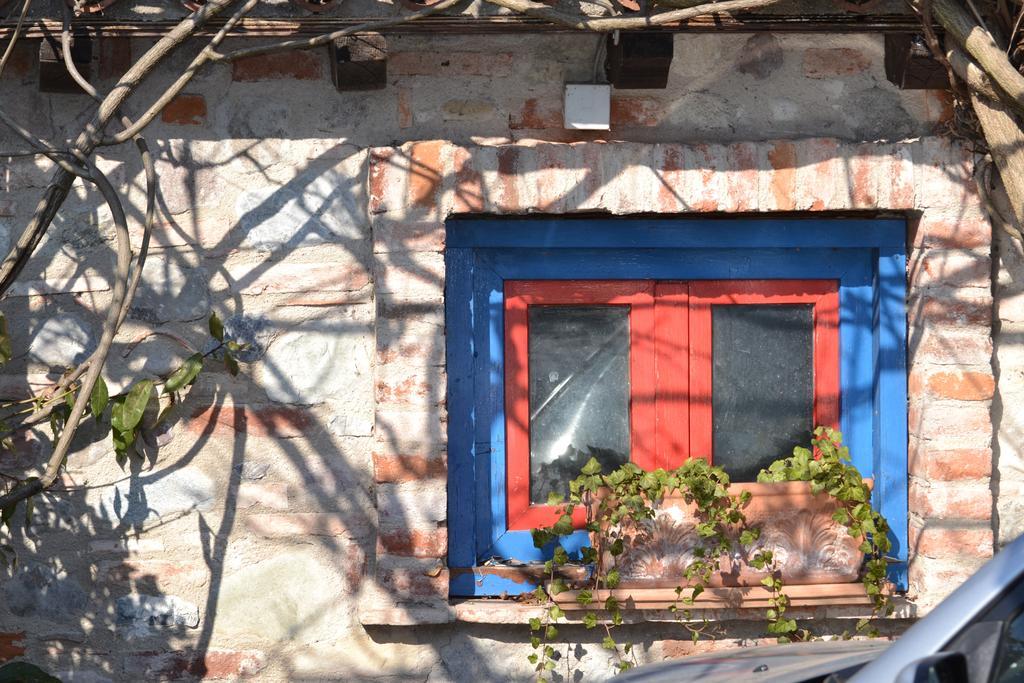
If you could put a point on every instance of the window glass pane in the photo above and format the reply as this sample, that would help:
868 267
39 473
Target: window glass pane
579 392
762 384
1011 653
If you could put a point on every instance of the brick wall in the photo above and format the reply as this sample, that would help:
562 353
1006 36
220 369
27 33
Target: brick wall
288 510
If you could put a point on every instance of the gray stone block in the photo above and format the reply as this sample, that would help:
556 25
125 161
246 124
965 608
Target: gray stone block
63 340
170 291
40 591
139 615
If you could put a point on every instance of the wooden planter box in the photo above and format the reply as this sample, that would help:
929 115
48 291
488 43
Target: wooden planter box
796 525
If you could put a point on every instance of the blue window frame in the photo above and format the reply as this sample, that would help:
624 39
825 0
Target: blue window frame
866 256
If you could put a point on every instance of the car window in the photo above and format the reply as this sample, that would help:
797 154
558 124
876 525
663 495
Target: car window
1010 665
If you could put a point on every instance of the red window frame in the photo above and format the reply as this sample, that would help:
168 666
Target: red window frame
519 295
822 294
670 364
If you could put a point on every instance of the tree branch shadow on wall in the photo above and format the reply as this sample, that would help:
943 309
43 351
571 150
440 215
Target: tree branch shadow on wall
247 542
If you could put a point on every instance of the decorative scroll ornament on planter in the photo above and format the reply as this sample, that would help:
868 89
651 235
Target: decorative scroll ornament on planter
796 525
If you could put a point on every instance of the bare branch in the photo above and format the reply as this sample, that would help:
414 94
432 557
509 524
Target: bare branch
57 191
584 23
981 46
132 129
326 38
15 35
97 359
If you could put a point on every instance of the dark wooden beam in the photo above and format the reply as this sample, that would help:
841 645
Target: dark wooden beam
461 24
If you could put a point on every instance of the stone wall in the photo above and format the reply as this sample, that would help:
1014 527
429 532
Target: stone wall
290 518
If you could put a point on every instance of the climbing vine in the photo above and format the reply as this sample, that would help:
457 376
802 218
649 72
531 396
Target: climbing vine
619 503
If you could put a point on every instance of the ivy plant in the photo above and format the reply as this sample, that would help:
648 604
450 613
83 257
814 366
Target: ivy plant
618 503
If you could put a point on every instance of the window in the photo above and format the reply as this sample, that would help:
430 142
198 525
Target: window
734 371
655 340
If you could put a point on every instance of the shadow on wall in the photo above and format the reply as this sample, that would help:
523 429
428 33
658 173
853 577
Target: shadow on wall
248 539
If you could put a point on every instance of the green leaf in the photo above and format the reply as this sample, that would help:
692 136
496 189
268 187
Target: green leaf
563 527
560 556
534 624
592 467
117 414
539 593
532 658
5 341
611 579
186 374
216 327
608 643
99 398
555 498
135 404
555 612
551 632
231 364
590 620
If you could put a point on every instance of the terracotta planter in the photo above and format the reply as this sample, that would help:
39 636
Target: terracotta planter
797 526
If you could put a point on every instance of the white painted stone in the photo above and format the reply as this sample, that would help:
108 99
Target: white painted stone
285 598
316 360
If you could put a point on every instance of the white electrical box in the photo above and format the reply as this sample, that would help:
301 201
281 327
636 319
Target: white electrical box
587 106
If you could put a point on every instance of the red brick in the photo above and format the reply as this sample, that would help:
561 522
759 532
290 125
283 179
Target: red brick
537 114
12 644
300 65
950 501
414 543
675 649
953 267
396 468
380 159
404 104
444 63
742 178
226 420
282 277
426 173
782 158
636 111
670 190
864 178
964 424
946 348
508 175
833 62
928 462
115 57
413 581
185 110
156 572
937 541
951 233
211 664
969 309
469 192
408 236
299 524
959 385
